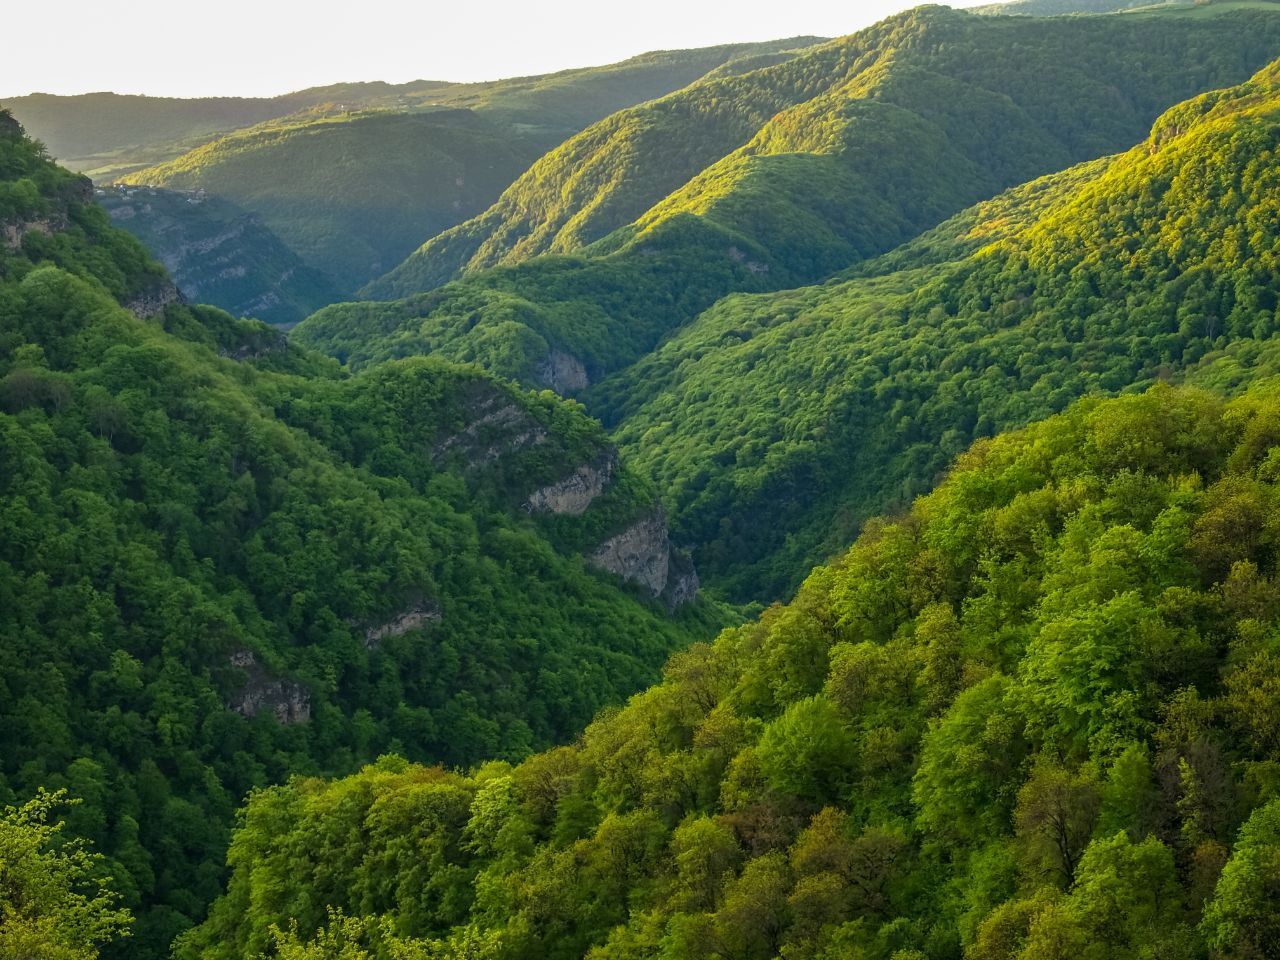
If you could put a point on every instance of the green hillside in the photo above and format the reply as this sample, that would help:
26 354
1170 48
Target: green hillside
223 562
856 145
842 189
1032 718
219 254
353 191
1056 8
817 407
351 194
109 135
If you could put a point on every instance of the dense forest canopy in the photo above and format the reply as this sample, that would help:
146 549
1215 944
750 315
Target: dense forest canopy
222 561
775 425
830 402
1032 718
300 649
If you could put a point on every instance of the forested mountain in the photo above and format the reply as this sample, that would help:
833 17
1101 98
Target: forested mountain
1057 8
775 425
220 254
223 561
825 404
1033 718
351 194
854 146
107 135
354 187
382 588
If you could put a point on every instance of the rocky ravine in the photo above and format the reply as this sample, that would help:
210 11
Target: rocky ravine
642 553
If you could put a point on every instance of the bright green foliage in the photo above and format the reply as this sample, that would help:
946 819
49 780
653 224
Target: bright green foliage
55 903
854 146
777 424
222 562
1242 920
896 813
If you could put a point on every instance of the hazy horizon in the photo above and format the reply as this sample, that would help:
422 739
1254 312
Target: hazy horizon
248 51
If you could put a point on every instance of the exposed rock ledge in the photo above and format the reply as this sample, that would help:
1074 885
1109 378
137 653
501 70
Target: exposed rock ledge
563 373
640 554
418 614
501 427
574 493
288 700
151 302
14 232
643 554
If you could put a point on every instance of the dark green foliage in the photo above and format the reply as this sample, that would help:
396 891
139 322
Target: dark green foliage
222 562
1012 733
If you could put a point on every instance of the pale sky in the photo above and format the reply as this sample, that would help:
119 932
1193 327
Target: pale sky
265 47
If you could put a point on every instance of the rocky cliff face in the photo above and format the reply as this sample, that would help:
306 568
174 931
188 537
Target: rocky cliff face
563 373
419 613
500 426
575 493
682 581
152 301
12 233
288 700
640 554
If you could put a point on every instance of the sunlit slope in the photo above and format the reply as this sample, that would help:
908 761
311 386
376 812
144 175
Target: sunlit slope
855 145
354 192
870 174
776 424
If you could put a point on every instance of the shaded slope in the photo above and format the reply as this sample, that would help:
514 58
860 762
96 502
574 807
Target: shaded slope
223 563
351 194
221 255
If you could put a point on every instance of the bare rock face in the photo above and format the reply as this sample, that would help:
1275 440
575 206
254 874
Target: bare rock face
574 493
563 373
682 581
14 231
640 554
152 301
288 700
499 427
416 615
